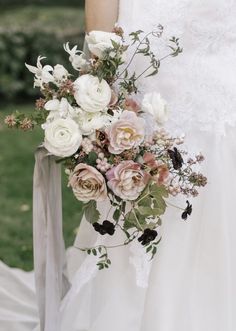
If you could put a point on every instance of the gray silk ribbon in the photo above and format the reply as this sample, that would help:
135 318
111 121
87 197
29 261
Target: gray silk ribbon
49 250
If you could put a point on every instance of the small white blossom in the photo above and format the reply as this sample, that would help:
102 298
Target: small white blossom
60 108
60 73
87 145
77 58
42 74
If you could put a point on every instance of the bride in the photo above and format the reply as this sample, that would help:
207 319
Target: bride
190 286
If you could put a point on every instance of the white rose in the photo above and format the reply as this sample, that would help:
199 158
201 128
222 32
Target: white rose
155 105
62 137
91 94
99 41
60 73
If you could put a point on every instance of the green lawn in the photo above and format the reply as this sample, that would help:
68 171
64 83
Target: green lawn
16 171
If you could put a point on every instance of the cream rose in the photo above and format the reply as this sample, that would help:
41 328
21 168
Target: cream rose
91 94
62 137
127 180
155 105
99 41
88 183
126 133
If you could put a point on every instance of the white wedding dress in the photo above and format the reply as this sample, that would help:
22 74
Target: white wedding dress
190 285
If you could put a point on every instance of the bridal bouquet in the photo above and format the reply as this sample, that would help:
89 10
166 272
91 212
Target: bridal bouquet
114 147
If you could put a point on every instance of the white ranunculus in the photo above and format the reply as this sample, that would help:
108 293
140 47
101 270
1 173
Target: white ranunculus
155 105
91 94
62 137
99 41
60 108
60 73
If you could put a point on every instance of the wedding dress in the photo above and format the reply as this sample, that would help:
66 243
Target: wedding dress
190 285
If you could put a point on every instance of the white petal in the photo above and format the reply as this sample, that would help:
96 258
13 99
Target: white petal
52 105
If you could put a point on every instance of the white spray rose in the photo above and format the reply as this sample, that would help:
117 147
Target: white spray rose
60 108
62 137
90 122
155 105
91 94
60 73
99 41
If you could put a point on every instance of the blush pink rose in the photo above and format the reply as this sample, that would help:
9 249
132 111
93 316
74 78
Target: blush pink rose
88 183
126 133
159 170
132 105
127 180
161 174
150 160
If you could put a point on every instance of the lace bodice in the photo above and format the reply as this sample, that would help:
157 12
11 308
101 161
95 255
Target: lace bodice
199 85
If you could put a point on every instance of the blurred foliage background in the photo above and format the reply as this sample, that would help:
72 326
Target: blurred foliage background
35 27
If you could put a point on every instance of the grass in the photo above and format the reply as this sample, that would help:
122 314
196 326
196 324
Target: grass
16 171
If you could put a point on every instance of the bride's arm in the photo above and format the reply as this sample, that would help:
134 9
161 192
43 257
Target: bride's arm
101 14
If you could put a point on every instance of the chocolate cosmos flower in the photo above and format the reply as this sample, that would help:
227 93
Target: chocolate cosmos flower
176 158
105 228
187 212
147 236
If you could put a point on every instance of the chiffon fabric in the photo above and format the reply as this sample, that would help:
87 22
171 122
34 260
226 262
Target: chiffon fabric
190 285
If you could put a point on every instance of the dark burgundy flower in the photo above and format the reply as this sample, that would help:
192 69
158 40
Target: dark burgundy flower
176 158
99 228
187 212
147 236
105 228
109 227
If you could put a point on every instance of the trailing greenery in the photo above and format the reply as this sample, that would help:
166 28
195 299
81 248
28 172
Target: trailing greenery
27 32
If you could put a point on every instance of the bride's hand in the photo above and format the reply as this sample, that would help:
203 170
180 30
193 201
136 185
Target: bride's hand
101 14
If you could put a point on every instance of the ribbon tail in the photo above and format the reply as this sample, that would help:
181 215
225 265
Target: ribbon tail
49 250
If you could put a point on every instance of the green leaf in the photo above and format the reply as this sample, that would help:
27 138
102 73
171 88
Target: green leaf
129 221
92 157
116 215
149 248
147 201
123 205
159 190
91 212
